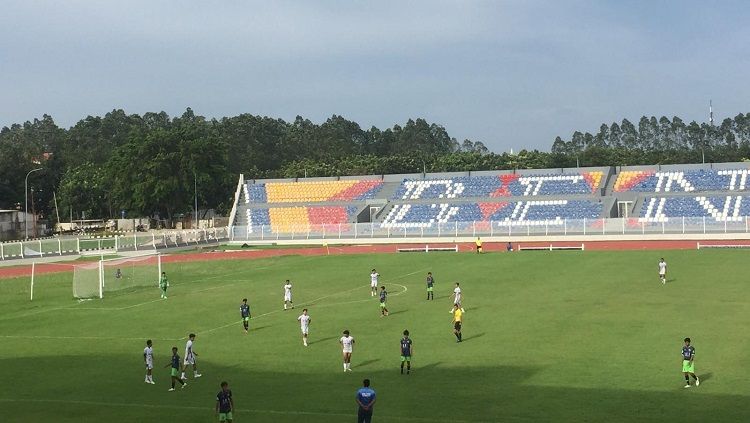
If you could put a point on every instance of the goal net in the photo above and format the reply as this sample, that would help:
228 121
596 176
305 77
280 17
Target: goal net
94 279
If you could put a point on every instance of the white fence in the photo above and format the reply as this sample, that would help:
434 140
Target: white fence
130 242
608 226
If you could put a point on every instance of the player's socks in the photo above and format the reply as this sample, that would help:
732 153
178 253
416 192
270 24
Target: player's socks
460 336
697 381
344 366
183 376
402 368
408 368
284 306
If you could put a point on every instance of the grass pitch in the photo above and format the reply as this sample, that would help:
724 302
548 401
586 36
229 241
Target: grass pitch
563 336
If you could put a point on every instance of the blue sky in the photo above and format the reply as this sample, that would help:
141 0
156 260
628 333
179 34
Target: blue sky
513 74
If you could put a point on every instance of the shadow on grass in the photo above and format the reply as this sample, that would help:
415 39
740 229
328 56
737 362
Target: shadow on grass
396 312
322 340
77 391
473 336
368 362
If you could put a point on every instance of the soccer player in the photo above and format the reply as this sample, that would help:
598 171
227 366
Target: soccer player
663 271
148 359
457 298
479 245
383 298
347 344
175 363
374 283
430 283
190 358
406 352
688 366
245 313
365 401
224 403
118 274
163 284
304 322
458 314
288 294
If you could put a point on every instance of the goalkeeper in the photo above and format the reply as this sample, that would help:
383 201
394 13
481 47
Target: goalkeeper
163 284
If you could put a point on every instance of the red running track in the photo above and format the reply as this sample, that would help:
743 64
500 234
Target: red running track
17 271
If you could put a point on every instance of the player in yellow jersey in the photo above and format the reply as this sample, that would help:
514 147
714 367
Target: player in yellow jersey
458 315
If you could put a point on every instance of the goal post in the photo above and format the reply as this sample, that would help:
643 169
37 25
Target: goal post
95 279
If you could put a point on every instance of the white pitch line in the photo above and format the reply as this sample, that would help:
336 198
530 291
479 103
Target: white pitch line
77 305
318 299
93 338
211 410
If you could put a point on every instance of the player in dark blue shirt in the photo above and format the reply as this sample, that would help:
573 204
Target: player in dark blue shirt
245 313
365 400
224 403
688 366
383 298
430 283
175 363
406 352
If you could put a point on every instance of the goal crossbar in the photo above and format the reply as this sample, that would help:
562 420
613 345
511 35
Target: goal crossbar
114 274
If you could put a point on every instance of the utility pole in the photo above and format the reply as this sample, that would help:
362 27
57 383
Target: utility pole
26 202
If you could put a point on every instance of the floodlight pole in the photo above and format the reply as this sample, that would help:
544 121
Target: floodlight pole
26 202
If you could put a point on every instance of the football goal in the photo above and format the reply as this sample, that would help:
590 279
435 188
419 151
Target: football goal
92 280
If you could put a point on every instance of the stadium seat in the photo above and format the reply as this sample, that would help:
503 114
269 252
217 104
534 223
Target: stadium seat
312 192
700 180
718 208
512 213
499 186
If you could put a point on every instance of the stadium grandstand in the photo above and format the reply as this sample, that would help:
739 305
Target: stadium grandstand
673 198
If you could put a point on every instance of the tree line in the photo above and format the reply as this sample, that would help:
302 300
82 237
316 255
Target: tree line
149 164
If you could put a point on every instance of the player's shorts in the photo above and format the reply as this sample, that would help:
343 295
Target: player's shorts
457 325
305 329
287 298
429 289
405 358
373 284
225 416
150 364
382 305
245 319
347 350
662 273
189 360
688 366
175 372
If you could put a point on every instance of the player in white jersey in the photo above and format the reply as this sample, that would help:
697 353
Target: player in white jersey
663 271
304 323
374 283
148 359
457 298
288 294
190 355
347 344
